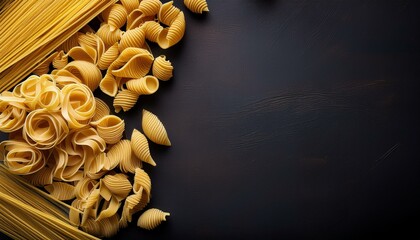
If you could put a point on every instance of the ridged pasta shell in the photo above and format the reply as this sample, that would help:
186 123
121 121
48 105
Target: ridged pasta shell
125 100
109 85
84 187
130 5
109 209
162 68
70 43
133 204
42 177
87 72
150 7
95 168
109 37
21 158
173 34
168 13
116 17
86 53
152 30
154 129
44 130
137 67
88 39
122 153
152 218
118 185
140 147
144 86
102 109
110 128
108 57
142 182
109 226
132 38
197 6
61 191
60 61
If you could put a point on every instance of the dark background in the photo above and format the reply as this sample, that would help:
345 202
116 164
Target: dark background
289 120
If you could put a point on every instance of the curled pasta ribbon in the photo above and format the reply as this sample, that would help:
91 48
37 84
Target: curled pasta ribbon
118 185
44 66
125 100
67 164
84 188
49 98
142 183
168 13
130 5
91 205
92 40
136 19
196 6
140 147
102 109
85 53
60 60
109 37
154 130
95 168
12 112
132 38
152 218
21 158
144 86
173 34
162 68
70 43
152 30
109 209
31 88
150 7
63 77
86 72
61 190
110 128
122 151
44 129
108 57
115 16
78 105
89 140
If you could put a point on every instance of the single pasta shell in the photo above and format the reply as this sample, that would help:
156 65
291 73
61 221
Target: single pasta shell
150 7
109 37
154 130
152 218
125 100
117 17
162 68
108 57
196 6
140 147
132 38
61 190
152 30
168 13
130 5
144 86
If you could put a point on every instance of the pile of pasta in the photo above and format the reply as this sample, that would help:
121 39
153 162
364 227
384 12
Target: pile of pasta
64 139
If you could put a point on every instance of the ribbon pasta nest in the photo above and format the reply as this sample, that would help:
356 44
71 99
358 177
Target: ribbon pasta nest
64 139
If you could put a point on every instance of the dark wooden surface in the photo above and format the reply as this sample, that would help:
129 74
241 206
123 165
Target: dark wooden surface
289 120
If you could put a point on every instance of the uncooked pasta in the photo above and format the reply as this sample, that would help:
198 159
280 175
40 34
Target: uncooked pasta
153 128
140 147
162 68
152 218
197 6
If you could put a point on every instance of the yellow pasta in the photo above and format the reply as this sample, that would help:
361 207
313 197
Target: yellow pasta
136 67
60 60
122 153
130 5
133 204
152 218
140 147
132 38
44 66
142 183
61 190
115 16
44 129
85 53
12 112
109 37
109 209
162 68
78 105
152 30
171 35
118 185
67 165
70 43
108 57
84 188
197 6
95 168
42 177
150 7
168 13
86 72
101 110
110 128
144 86
21 158
125 100
154 129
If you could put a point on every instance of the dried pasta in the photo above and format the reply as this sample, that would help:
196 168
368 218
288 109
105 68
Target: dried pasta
102 109
86 72
108 57
125 100
130 5
21 158
78 105
140 147
152 30
162 68
168 13
61 190
171 35
109 37
144 86
110 128
154 129
60 60
150 7
116 16
132 38
197 6
152 218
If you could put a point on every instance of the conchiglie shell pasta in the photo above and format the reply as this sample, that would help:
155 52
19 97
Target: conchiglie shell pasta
84 187
168 13
144 86
142 182
140 147
85 53
132 38
136 19
162 68
136 67
133 204
108 57
109 209
21 158
102 109
110 128
154 129
130 5
118 185
116 16
196 6
61 190
109 37
173 34
125 100
152 218
87 72
152 30
122 152
150 7
42 177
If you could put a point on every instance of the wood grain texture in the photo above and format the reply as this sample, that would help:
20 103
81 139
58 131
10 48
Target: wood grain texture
289 120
